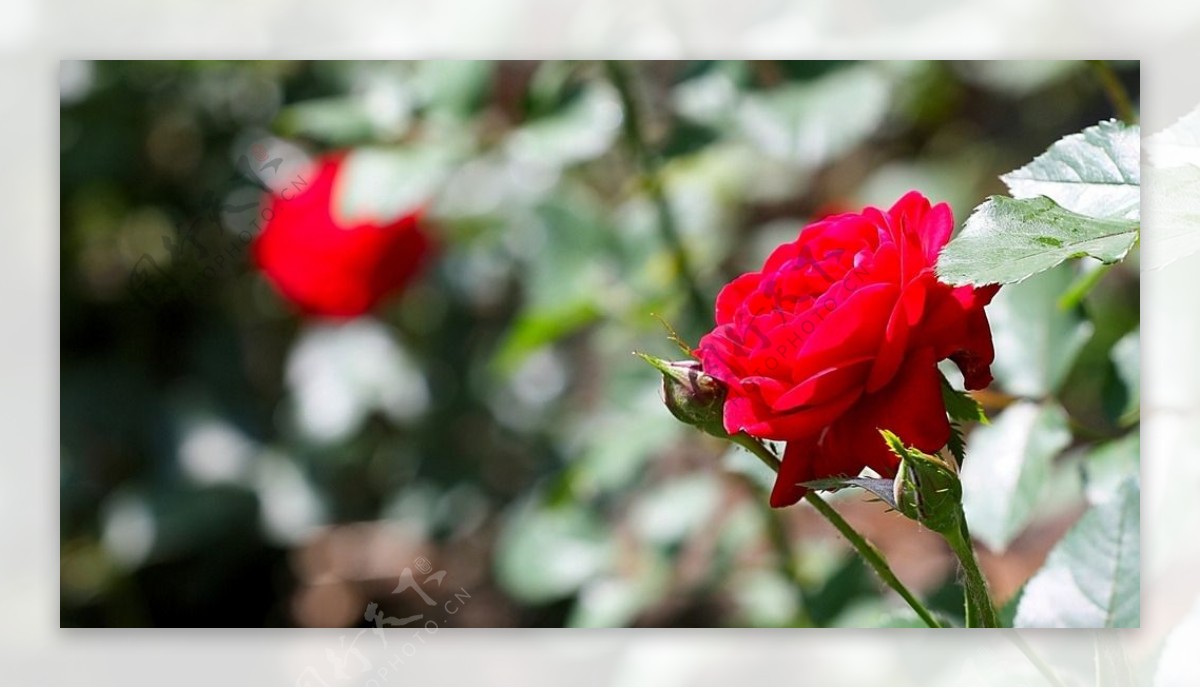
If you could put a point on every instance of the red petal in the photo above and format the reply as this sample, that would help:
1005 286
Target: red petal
904 317
910 406
734 294
824 386
939 225
797 467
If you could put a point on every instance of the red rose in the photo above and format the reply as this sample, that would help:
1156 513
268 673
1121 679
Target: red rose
329 267
839 335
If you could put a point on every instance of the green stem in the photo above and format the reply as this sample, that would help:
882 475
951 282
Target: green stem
756 448
1117 95
865 549
873 556
980 611
1081 286
648 165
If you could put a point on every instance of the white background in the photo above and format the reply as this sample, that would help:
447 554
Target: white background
34 36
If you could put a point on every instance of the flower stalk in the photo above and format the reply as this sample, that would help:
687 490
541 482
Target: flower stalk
928 490
865 549
981 613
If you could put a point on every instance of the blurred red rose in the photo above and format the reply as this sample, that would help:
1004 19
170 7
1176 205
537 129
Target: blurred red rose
840 334
330 267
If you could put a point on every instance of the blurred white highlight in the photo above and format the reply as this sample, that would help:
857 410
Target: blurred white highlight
340 373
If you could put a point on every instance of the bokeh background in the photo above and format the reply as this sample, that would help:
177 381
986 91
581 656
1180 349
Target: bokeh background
226 462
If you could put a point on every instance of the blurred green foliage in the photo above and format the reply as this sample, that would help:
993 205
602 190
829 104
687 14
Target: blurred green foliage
225 463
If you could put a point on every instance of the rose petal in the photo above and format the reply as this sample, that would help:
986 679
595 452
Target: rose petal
734 295
748 413
905 316
823 386
797 467
854 328
936 231
910 406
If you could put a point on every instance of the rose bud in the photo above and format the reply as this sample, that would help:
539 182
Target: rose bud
927 488
691 395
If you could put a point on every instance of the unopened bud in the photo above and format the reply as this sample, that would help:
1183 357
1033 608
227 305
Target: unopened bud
691 395
927 488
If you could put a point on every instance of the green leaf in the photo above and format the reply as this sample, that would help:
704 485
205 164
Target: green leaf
1007 240
1036 342
1095 172
881 488
1108 466
1009 469
1079 198
961 406
957 444
1091 578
